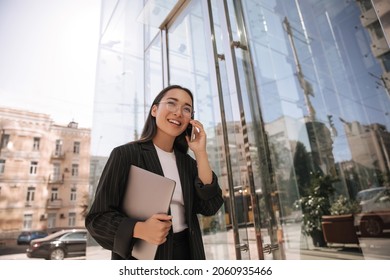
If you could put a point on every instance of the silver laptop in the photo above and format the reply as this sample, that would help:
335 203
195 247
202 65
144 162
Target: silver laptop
147 193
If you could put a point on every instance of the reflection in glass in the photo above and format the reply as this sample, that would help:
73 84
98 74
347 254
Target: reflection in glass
325 105
189 65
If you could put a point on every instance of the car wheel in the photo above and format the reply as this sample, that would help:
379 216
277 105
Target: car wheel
371 226
57 254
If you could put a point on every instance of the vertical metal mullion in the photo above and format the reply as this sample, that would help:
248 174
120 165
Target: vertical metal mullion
225 135
165 56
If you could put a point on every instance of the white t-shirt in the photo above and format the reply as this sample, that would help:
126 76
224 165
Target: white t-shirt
168 164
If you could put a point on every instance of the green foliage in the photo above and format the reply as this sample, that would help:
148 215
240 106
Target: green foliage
316 204
342 206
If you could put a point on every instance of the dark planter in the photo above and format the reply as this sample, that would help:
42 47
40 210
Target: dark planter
318 238
339 229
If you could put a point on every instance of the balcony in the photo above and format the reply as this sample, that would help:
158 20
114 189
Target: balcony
379 47
368 17
28 203
54 204
56 179
386 80
58 156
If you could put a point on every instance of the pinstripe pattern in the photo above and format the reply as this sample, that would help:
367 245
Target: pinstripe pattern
113 230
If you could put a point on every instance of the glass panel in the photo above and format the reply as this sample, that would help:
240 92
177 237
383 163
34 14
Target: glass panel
190 62
236 134
155 11
118 108
153 15
153 71
325 112
253 167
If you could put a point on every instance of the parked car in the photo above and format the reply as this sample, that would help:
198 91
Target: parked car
375 215
59 245
26 236
368 194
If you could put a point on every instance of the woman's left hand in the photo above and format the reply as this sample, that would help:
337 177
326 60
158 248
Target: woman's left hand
198 144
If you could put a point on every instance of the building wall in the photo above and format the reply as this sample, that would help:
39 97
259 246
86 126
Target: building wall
16 180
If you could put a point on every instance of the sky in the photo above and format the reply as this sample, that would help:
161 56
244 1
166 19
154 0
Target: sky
48 56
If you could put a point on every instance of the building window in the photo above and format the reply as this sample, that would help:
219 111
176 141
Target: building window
27 221
377 28
58 147
4 140
36 142
56 172
33 167
72 219
76 147
73 194
54 194
30 194
386 61
2 166
75 170
51 220
366 5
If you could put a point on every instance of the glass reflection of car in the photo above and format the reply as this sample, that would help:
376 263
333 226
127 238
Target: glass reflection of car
59 245
26 236
368 194
375 212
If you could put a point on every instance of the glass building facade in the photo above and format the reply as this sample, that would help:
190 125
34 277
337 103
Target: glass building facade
294 96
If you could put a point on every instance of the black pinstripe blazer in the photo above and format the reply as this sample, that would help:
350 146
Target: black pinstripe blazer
113 230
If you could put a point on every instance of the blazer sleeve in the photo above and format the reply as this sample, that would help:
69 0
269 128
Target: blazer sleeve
105 221
208 197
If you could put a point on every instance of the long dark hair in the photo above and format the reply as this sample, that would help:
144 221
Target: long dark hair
150 127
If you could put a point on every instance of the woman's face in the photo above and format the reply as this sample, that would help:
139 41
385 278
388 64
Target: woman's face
173 113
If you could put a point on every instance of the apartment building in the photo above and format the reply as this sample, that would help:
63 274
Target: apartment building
375 18
44 172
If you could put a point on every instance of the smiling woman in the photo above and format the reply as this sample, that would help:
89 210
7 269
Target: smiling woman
49 56
162 149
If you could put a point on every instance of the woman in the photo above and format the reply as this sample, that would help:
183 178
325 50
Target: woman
162 149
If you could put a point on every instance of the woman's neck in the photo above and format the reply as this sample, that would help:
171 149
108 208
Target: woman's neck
164 143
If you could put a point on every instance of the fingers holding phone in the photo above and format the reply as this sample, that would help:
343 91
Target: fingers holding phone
192 132
192 135
196 135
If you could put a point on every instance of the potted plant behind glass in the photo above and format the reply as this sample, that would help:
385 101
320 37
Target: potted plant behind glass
338 226
315 205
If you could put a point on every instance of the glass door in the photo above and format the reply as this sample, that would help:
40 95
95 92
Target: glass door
264 232
237 167
192 62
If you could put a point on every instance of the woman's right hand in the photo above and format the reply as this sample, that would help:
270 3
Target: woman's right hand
155 229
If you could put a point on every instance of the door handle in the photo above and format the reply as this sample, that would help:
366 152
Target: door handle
243 247
238 44
268 248
221 56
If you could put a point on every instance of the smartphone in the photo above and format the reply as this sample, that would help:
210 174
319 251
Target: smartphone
192 138
191 132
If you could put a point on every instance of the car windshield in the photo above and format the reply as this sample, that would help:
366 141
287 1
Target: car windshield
54 235
75 236
368 194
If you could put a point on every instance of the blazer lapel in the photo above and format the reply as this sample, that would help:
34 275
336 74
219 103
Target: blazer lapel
149 158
